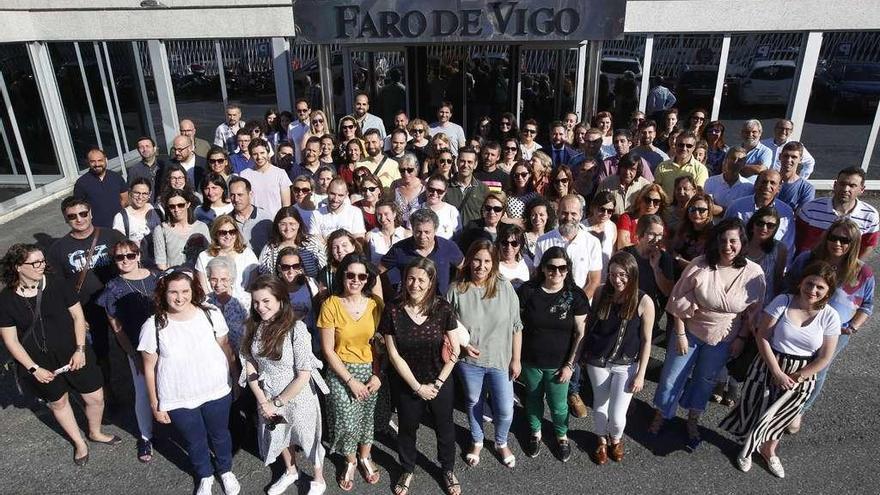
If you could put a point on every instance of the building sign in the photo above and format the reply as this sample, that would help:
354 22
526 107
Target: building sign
444 21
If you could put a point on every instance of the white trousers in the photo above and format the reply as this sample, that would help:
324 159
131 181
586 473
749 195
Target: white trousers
611 397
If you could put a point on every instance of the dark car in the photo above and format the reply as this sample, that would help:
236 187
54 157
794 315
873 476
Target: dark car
850 86
696 86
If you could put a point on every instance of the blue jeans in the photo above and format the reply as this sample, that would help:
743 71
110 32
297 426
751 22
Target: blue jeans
688 380
574 385
476 380
842 342
203 429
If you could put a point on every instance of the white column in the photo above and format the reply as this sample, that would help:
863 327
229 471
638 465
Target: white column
221 73
646 72
592 82
326 77
580 74
283 74
872 140
806 71
719 82
164 90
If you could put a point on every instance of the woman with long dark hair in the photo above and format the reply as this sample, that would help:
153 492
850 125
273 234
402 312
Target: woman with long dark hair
288 231
284 376
519 191
180 238
215 199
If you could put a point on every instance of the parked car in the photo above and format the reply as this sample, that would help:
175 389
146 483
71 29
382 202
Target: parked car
850 86
769 82
696 86
614 65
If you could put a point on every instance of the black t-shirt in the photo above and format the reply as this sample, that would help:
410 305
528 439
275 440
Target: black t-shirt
495 179
67 257
419 345
57 328
647 282
548 323
130 302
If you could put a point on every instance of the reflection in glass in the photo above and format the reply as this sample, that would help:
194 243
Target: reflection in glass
620 77
128 93
15 182
545 97
687 64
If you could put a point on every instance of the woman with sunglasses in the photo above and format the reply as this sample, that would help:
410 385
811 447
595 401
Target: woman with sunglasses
180 238
419 330
419 144
853 294
443 164
651 200
409 188
284 376
656 266
486 227
348 129
389 232
617 350
519 191
371 194
138 220
128 301
301 289
511 263
189 367
797 334
218 162
487 306
540 218
713 305
554 312
697 121
348 322
288 231
215 199
527 145
354 155
599 224
561 185
507 128
448 215
542 165
690 239
42 347
226 240
510 154
714 135
317 127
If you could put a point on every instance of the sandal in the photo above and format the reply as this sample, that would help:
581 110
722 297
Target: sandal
368 470
472 458
509 461
144 451
451 484
346 480
402 485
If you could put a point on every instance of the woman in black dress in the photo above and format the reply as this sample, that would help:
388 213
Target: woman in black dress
43 327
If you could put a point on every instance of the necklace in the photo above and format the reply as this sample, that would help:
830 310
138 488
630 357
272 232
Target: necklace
142 291
37 327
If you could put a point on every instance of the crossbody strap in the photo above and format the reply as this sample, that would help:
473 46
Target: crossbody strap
89 255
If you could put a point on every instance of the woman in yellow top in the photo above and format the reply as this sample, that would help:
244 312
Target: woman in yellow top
348 322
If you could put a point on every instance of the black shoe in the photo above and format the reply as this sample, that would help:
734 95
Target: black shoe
564 450
533 448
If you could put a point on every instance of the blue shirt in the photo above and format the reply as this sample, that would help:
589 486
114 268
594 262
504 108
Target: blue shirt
744 208
446 256
239 163
760 155
102 195
797 193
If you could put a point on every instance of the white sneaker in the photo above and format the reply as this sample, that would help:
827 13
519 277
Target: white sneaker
283 483
317 488
230 483
205 486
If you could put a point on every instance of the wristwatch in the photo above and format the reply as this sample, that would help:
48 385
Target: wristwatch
277 402
33 369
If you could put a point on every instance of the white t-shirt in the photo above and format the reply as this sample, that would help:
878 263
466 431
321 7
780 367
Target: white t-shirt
192 367
348 217
225 209
266 187
609 238
453 131
377 245
246 263
518 275
450 220
584 250
137 226
797 340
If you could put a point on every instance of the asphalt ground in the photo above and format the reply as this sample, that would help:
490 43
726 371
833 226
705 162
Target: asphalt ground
837 450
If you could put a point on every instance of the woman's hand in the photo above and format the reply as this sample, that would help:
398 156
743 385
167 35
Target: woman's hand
563 375
427 391
783 381
77 361
358 389
267 410
161 416
515 369
681 344
373 384
43 375
637 384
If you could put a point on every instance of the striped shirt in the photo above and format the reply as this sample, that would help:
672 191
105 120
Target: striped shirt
815 217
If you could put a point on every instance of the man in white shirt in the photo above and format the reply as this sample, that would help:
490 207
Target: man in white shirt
782 136
297 129
364 118
270 185
444 124
758 157
337 213
729 185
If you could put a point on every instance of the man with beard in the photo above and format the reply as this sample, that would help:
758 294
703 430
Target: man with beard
795 191
815 217
150 167
585 252
224 135
647 134
465 192
365 119
766 189
560 152
758 157
397 144
337 213
489 173
105 189
384 168
183 153
270 185
444 124
253 222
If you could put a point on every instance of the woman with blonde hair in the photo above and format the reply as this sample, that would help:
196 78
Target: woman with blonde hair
419 145
318 126
227 240
651 200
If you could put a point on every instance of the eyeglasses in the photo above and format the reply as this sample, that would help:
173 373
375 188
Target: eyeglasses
761 224
787 129
221 233
362 277
180 149
36 264
445 160
510 148
286 268
216 160
698 209
839 239
490 209
302 190
607 211
176 206
418 130
701 119
72 216
652 201
406 170
594 142
561 180
370 188
126 256
437 191
513 244
530 131
349 127
683 146
556 268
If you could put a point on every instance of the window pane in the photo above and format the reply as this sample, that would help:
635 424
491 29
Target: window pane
128 91
196 83
542 97
843 101
12 173
149 81
250 77
73 98
620 77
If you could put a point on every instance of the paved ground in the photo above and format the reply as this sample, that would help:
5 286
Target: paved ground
837 451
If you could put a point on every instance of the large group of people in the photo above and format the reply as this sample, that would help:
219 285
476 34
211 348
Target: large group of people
316 282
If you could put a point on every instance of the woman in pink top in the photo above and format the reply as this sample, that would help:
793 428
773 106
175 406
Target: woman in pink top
713 305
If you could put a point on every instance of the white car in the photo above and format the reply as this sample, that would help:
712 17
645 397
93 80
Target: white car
613 66
769 82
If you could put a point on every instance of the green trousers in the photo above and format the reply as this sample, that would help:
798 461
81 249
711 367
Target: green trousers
541 382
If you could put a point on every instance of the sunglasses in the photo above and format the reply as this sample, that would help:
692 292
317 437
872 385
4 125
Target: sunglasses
72 216
444 160
521 175
302 190
434 190
406 170
561 180
652 201
216 160
698 209
349 127
176 206
510 148
530 131
684 146
221 233
504 124
362 277
556 268
607 211
318 121
302 110
286 268
698 118
126 256
418 130
496 209
761 224
513 244
839 239
370 188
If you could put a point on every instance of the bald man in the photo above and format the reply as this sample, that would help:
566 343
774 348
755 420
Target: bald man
188 128
183 152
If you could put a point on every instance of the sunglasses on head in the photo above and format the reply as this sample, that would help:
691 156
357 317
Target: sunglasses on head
72 216
496 209
359 276
126 256
556 268
839 239
285 267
